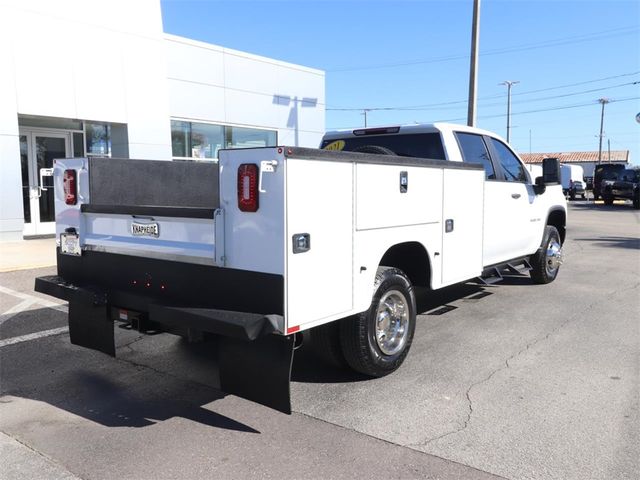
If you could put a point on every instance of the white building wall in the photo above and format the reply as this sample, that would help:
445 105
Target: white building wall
111 62
220 85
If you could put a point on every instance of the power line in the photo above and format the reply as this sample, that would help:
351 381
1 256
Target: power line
517 48
448 105
551 109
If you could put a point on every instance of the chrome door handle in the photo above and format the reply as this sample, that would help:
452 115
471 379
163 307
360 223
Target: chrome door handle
515 195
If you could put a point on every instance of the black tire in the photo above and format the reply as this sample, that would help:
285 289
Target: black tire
544 267
595 196
358 335
572 195
584 195
377 149
607 200
636 201
325 344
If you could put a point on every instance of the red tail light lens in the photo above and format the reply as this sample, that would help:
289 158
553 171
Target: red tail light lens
70 187
248 187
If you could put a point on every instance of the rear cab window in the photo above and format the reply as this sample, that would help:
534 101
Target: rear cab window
421 145
474 150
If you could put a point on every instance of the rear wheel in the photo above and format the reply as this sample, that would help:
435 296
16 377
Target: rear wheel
547 260
325 344
607 200
636 201
377 341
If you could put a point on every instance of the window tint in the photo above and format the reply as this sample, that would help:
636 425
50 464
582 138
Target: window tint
511 166
475 151
421 145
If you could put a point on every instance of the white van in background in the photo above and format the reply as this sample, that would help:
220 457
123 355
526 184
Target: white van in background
572 181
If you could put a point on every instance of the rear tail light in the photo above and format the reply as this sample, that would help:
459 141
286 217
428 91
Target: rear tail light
70 187
248 187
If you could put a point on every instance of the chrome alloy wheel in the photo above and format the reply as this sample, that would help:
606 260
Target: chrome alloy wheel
392 322
553 256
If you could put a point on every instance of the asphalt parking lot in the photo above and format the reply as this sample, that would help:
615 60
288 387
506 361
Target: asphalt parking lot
514 380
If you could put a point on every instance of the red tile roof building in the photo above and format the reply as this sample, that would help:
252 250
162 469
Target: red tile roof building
617 156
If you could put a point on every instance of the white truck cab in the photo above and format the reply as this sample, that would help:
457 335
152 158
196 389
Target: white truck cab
269 244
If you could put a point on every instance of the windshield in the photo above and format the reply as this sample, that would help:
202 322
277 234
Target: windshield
423 145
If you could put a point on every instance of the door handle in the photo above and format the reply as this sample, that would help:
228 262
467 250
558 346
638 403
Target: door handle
515 195
44 172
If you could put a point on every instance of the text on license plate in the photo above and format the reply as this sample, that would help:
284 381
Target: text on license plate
145 229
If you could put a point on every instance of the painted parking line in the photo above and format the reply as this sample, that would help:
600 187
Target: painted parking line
29 302
33 298
33 336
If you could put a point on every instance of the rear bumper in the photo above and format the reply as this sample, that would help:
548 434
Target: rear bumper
240 325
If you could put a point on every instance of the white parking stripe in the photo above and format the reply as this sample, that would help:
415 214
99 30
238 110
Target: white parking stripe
20 307
26 296
33 336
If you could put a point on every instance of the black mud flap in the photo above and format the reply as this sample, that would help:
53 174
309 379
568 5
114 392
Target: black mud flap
259 370
90 326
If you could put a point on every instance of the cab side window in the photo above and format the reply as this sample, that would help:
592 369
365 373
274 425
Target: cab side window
511 166
474 150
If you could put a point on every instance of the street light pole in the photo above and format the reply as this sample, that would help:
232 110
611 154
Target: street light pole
603 101
509 84
473 81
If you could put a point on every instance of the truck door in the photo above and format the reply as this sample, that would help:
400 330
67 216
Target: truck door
506 197
513 212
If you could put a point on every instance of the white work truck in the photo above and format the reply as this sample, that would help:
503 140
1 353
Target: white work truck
268 243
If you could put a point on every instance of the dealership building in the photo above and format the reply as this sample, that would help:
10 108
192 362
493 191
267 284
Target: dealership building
82 78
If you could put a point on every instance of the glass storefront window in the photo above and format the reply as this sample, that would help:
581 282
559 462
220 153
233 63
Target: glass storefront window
98 138
203 140
206 140
78 144
180 138
238 137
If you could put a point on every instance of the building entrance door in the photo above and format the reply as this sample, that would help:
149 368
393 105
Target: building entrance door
38 149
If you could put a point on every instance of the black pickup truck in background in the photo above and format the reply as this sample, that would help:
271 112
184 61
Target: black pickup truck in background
625 186
606 171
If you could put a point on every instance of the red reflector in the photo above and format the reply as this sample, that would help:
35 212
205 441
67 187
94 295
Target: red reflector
248 187
293 329
70 187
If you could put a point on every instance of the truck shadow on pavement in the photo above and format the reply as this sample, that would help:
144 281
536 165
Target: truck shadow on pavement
632 243
307 368
110 392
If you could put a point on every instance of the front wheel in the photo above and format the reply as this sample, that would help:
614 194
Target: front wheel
547 260
607 200
377 341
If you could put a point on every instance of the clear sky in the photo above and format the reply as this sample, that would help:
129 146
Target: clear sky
408 61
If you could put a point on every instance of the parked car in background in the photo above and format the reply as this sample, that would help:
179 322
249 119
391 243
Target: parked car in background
605 171
571 177
625 187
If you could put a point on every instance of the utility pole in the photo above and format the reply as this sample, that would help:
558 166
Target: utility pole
509 84
609 148
603 101
473 81
364 112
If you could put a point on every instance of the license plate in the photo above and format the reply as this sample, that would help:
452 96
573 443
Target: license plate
145 229
70 244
